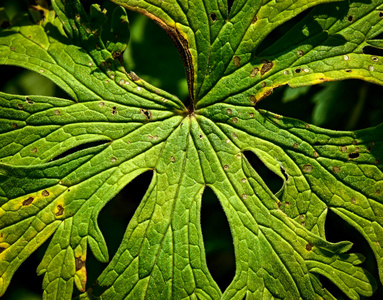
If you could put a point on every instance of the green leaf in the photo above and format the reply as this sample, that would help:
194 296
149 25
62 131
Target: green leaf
62 160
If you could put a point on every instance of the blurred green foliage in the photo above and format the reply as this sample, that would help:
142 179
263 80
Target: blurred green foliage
346 105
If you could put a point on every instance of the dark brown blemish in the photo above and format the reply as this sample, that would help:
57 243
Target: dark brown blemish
114 110
343 148
79 263
60 210
298 70
309 247
348 70
237 61
353 200
234 120
15 126
45 193
57 112
253 100
353 155
20 106
34 150
27 201
267 66
295 145
254 20
147 113
263 84
354 142
300 52
381 14
350 18
315 154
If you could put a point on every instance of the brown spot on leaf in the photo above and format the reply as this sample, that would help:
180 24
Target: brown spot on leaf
114 110
307 126
20 106
60 210
267 66
172 158
15 126
57 112
300 52
45 193
28 201
253 100
309 247
254 20
350 18
343 148
354 142
353 201
79 263
336 169
134 76
34 150
229 111
315 154
307 168
237 61
298 70
234 120
254 72
295 145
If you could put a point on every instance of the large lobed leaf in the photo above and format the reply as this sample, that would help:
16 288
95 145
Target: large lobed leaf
129 127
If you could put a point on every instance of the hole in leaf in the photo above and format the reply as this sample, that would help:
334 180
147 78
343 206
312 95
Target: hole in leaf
338 230
217 239
113 220
229 5
272 180
152 55
25 82
279 32
213 16
353 155
373 51
81 147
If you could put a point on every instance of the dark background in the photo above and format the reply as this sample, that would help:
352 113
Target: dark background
346 105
